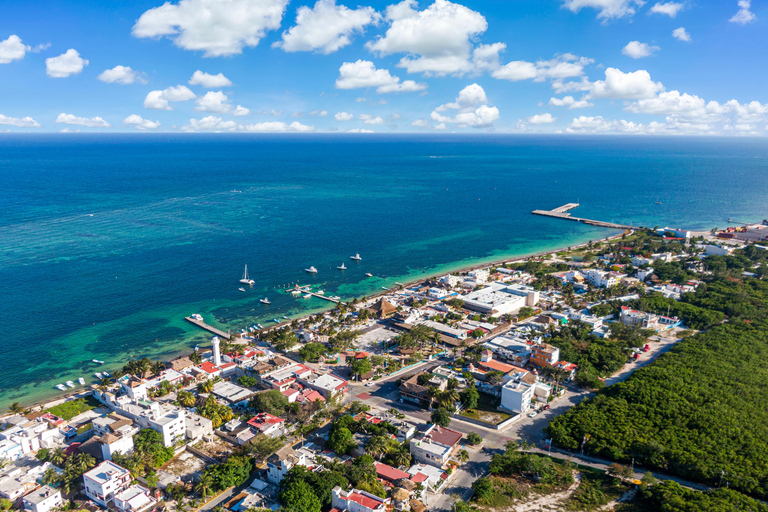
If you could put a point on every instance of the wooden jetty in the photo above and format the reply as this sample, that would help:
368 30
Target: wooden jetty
562 213
207 327
306 289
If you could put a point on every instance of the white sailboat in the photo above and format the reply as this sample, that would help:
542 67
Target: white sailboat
265 300
356 257
246 279
342 267
311 270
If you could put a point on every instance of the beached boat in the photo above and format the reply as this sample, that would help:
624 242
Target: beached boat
102 362
98 375
81 381
241 289
356 257
70 384
246 279
311 270
368 274
265 301
61 387
342 267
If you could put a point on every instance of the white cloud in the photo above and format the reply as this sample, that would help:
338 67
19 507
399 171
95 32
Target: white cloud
209 81
216 27
140 123
669 8
472 109
210 124
343 116
609 9
638 50
159 99
326 27
240 111
68 130
570 102
438 40
625 86
421 123
486 56
360 130
276 127
319 113
597 124
541 119
369 119
121 75
20 122
561 87
681 34
93 122
363 74
562 66
744 15
66 64
12 49
216 102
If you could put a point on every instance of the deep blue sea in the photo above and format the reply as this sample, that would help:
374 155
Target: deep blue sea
108 241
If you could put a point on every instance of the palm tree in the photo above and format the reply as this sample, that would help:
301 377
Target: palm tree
158 367
205 387
16 408
185 398
83 462
402 458
105 382
377 446
56 457
144 366
463 456
204 486
196 358
447 398
50 477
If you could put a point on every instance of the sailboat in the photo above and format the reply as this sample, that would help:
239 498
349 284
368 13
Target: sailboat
657 201
311 270
265 300
356 257
342 267
246 279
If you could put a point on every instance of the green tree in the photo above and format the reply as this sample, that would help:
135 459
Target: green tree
272 402
204 486
463 456
340 440
149 445
470 397
311 351
299 497
474 438
441 417
361 366
483 488
16 408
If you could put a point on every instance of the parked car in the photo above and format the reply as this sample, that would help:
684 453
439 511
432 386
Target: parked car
646 348
545 407
531 415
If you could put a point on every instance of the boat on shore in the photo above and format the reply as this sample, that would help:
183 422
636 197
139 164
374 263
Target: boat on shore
356 257
81 381
311 270
61 387
70 383
265 300
260 326
276 320
246 279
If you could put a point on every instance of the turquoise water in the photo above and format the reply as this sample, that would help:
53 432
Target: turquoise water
107 242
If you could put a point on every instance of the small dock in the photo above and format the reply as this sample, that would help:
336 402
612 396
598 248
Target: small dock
207 327
307 290
561 213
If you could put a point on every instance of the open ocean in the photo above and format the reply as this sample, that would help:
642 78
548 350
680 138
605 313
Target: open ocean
108 241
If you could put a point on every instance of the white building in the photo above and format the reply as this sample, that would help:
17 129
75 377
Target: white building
437 293
328 385
517 393
280 462
357 501
514 349
451 279
232 394
603 279
716 250
104 481
134 387
166 419
500 299
134 499
479 276
216 350
43 499
436 446
115 435
460 334
197 426
639 261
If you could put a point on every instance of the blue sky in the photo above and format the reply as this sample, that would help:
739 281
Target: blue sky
523 66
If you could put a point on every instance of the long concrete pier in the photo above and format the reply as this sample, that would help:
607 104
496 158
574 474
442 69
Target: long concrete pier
207 327
561 213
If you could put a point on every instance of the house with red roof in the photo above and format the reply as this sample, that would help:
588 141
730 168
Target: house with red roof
389 474
357 501
267 424
207 370
436 446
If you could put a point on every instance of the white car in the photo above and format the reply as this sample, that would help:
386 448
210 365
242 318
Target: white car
531 415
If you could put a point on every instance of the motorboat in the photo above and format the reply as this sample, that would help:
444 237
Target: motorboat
61 387
276 320
286 317
196 316
246 279
241 289
260 326
70 384
265 301
356 257
102 362
335 297
311 270
81 381
342 267
296 293
320 292
98 375
105 374
307 296
368 274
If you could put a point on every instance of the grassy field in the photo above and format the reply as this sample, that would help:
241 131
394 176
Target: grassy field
69 410
486 410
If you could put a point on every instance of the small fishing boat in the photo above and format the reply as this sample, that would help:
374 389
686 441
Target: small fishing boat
70 384
320 292
241 289
61 387
196 316
246 279
81 381
311 270
356 257
296 293
276 320
98 375
307 296
368 274
260 326
105 374
265 301
384 288
287 318
102 362
342 267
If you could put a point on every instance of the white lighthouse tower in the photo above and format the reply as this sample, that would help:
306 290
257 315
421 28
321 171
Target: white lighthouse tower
216 351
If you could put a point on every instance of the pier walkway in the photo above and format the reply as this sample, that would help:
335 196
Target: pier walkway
306 289
207 327
561 213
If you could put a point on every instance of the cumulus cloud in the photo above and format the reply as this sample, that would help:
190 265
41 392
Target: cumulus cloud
209 81
486 56
638 50
343 116
609 9
363 74
159 99
471 109
437 40
66 64
669 8
240 111
563 66
19 122
570 102
140 123
690 108
625 86
12 49
681 34
121 75
545 118
93 122
217 102
216 27
319 113
277 127
597 124
326 27
369 119
744 14
360 130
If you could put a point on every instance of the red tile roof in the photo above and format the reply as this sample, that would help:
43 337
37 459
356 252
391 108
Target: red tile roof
388 472
364 500
208 367
495 365
419 477
264 420
444 436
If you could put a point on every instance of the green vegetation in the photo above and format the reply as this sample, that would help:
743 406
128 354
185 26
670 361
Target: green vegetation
149 445
671 497
272 402
441 417
320 485
474 438
696 412
69 410
235 471
312 352
248 381
218 414
486 409
595 490
360 367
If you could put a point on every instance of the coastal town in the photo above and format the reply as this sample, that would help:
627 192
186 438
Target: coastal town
408 400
